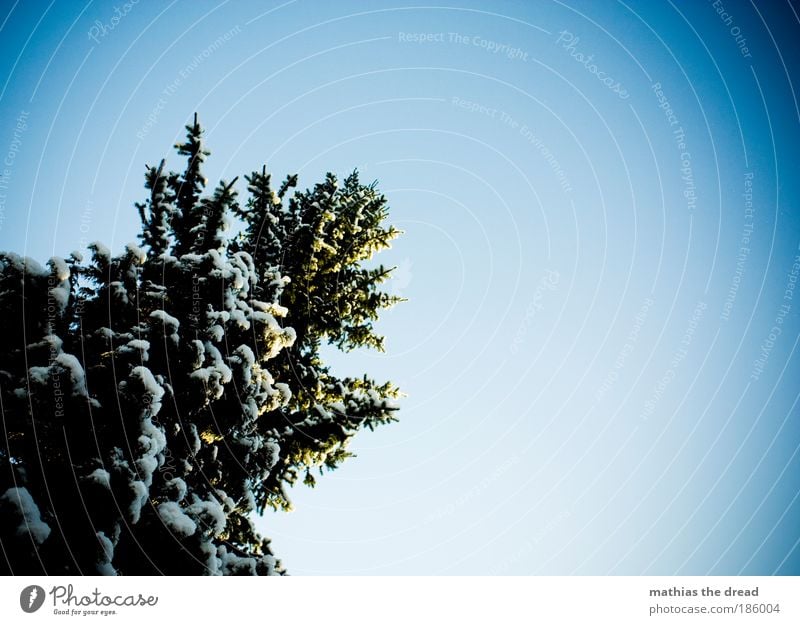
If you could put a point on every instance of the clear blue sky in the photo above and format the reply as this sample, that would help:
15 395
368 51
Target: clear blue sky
575 181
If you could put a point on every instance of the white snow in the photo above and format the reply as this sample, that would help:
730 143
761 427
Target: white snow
212 562
253 443
38 375
273 453
211 513
50 340
217 260
27 509
106 545
228 501
201 374
273 309
24 265
147 465
238 278
247 358
140 495
101 476
170 323
136 252
285 392
250 499
239 318
199 352
270 562
145 376
194 438
101 250
104 566
175 519
76 373
216 373
152 440
222 315
179 486
59 267
68 362
250 409
137 345
118 290
235 565
60 294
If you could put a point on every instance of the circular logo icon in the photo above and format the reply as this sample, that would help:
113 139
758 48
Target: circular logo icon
31 598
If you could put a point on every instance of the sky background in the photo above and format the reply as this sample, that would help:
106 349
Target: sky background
581 343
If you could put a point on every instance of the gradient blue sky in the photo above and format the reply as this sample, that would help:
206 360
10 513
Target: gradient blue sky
578 400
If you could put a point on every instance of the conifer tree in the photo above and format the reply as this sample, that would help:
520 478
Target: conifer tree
155 400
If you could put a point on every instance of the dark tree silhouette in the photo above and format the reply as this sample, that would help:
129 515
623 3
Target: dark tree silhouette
155 400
